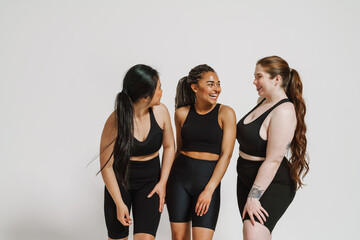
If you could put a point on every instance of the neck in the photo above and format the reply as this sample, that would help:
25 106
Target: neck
203 106
140 109
276 96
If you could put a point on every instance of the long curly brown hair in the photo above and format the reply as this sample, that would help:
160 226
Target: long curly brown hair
291 83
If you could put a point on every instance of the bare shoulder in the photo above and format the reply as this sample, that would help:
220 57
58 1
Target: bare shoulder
109 132
226 111
182 112
285 111
161 114
111 122
160 110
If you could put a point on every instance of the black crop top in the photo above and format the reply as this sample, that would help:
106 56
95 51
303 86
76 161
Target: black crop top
153 141
202 133
248 134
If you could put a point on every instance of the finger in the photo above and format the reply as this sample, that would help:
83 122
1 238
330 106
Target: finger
259 218
262 215
203 209
244 212
123 221
128 221
252 219
207 208
266 213
127 216
162 201
151 194
199 209
197 206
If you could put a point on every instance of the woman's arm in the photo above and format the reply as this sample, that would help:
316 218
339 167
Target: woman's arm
228 119
168 146
180 116
106 148
280 133
168 156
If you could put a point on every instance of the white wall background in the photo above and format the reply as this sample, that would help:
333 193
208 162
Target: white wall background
62 63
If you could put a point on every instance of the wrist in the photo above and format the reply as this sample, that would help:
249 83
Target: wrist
210 188
255 192
120 204
162 182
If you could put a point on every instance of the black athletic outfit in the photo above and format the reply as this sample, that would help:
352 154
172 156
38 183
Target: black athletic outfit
281 191
144 175
189 176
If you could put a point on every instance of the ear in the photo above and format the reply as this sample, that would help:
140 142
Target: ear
146 100
278 80
194 87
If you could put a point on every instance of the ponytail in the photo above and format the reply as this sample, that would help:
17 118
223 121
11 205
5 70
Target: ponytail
124 139
292 85
184 94
299 166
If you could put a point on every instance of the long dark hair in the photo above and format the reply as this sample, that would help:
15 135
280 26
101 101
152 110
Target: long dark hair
292 85
139 82
184 94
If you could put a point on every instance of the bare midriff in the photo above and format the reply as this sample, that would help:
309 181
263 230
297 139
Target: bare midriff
201 155
144 158
250 157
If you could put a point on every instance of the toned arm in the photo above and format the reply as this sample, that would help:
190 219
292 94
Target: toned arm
106 148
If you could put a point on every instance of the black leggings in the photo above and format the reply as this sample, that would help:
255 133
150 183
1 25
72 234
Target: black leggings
144 175
277 196
187 180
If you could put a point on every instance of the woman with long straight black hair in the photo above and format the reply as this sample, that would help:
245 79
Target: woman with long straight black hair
129 159
205 137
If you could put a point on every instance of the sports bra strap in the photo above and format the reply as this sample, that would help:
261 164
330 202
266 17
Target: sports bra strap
266 113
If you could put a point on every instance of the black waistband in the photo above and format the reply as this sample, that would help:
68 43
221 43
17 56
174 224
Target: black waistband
194 166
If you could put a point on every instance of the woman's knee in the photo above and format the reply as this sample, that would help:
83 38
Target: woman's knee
180 231
143 236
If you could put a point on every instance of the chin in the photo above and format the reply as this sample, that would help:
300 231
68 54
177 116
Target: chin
213 101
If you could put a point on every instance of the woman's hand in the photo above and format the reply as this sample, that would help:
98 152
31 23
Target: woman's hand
203 202
253 207
123 215
160 189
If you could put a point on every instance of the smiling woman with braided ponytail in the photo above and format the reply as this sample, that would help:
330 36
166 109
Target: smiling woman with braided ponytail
267 180
129 159
205 137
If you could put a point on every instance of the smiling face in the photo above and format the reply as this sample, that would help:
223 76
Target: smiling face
208 88
263 82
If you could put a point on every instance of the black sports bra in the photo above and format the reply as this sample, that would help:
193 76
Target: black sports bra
153 141
248 134
202 133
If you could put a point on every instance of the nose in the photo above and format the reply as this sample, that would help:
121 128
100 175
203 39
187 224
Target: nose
254 82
